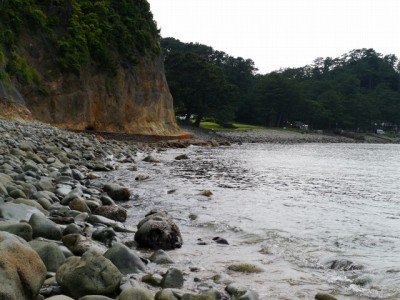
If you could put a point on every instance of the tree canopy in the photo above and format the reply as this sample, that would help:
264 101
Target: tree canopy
205 82
76 34
358 91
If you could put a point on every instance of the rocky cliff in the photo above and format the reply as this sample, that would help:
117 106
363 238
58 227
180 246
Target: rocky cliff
136 100
93 65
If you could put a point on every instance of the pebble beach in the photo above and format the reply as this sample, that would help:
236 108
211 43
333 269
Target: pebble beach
62 220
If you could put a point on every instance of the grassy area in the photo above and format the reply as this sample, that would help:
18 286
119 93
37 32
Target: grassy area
238 126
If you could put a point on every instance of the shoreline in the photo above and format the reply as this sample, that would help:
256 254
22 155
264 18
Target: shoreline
58 190
62 222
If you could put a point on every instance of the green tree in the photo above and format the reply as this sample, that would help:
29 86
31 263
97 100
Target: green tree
199 88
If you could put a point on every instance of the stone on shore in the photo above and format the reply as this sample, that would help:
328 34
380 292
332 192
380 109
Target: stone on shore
181 157
239 292
138 293
158 231
115 213
95 297
79 244
22 272
125 259
79 204
43 227
245 268
17 212
50 253
23 230
172 279
92 274
117 192
161 257
324 296
60 297
151 159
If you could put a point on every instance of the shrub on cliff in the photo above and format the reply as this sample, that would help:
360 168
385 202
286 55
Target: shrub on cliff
73 34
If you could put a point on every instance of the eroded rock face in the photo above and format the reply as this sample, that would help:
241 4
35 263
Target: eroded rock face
137 100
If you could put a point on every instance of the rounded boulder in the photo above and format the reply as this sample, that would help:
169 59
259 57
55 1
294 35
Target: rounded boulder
92 274
22 272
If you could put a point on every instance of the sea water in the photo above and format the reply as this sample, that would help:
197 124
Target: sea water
291 209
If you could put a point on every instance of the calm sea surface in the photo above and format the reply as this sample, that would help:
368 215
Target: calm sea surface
290 209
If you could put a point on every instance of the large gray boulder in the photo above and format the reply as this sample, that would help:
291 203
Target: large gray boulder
125 259
43 227
158 231
23 230
22 272
50 253
92 274
17 212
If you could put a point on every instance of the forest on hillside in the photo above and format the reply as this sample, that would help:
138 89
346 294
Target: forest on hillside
73 35
359 90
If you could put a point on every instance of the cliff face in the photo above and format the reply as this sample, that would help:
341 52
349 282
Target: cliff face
136 101
85 65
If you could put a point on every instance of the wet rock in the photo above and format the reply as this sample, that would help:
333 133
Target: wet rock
245 268
50 253
79 204
72 229
105 235
23 230
97 219
125 259
95 297
79 244
43 227
161 257
181 157
71 196
209 294
222 279
220 240
172 279
17 212
141 177
151 159
60 297
128 282
206 193
239 292
22 272
158 231
106 200
29 202
344 265
92 274
168 294
152 279
76 174
115 213
136 293
324 296
117 192
363 280
17 193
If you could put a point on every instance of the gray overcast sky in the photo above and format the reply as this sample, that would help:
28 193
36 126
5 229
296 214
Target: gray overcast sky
282 33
